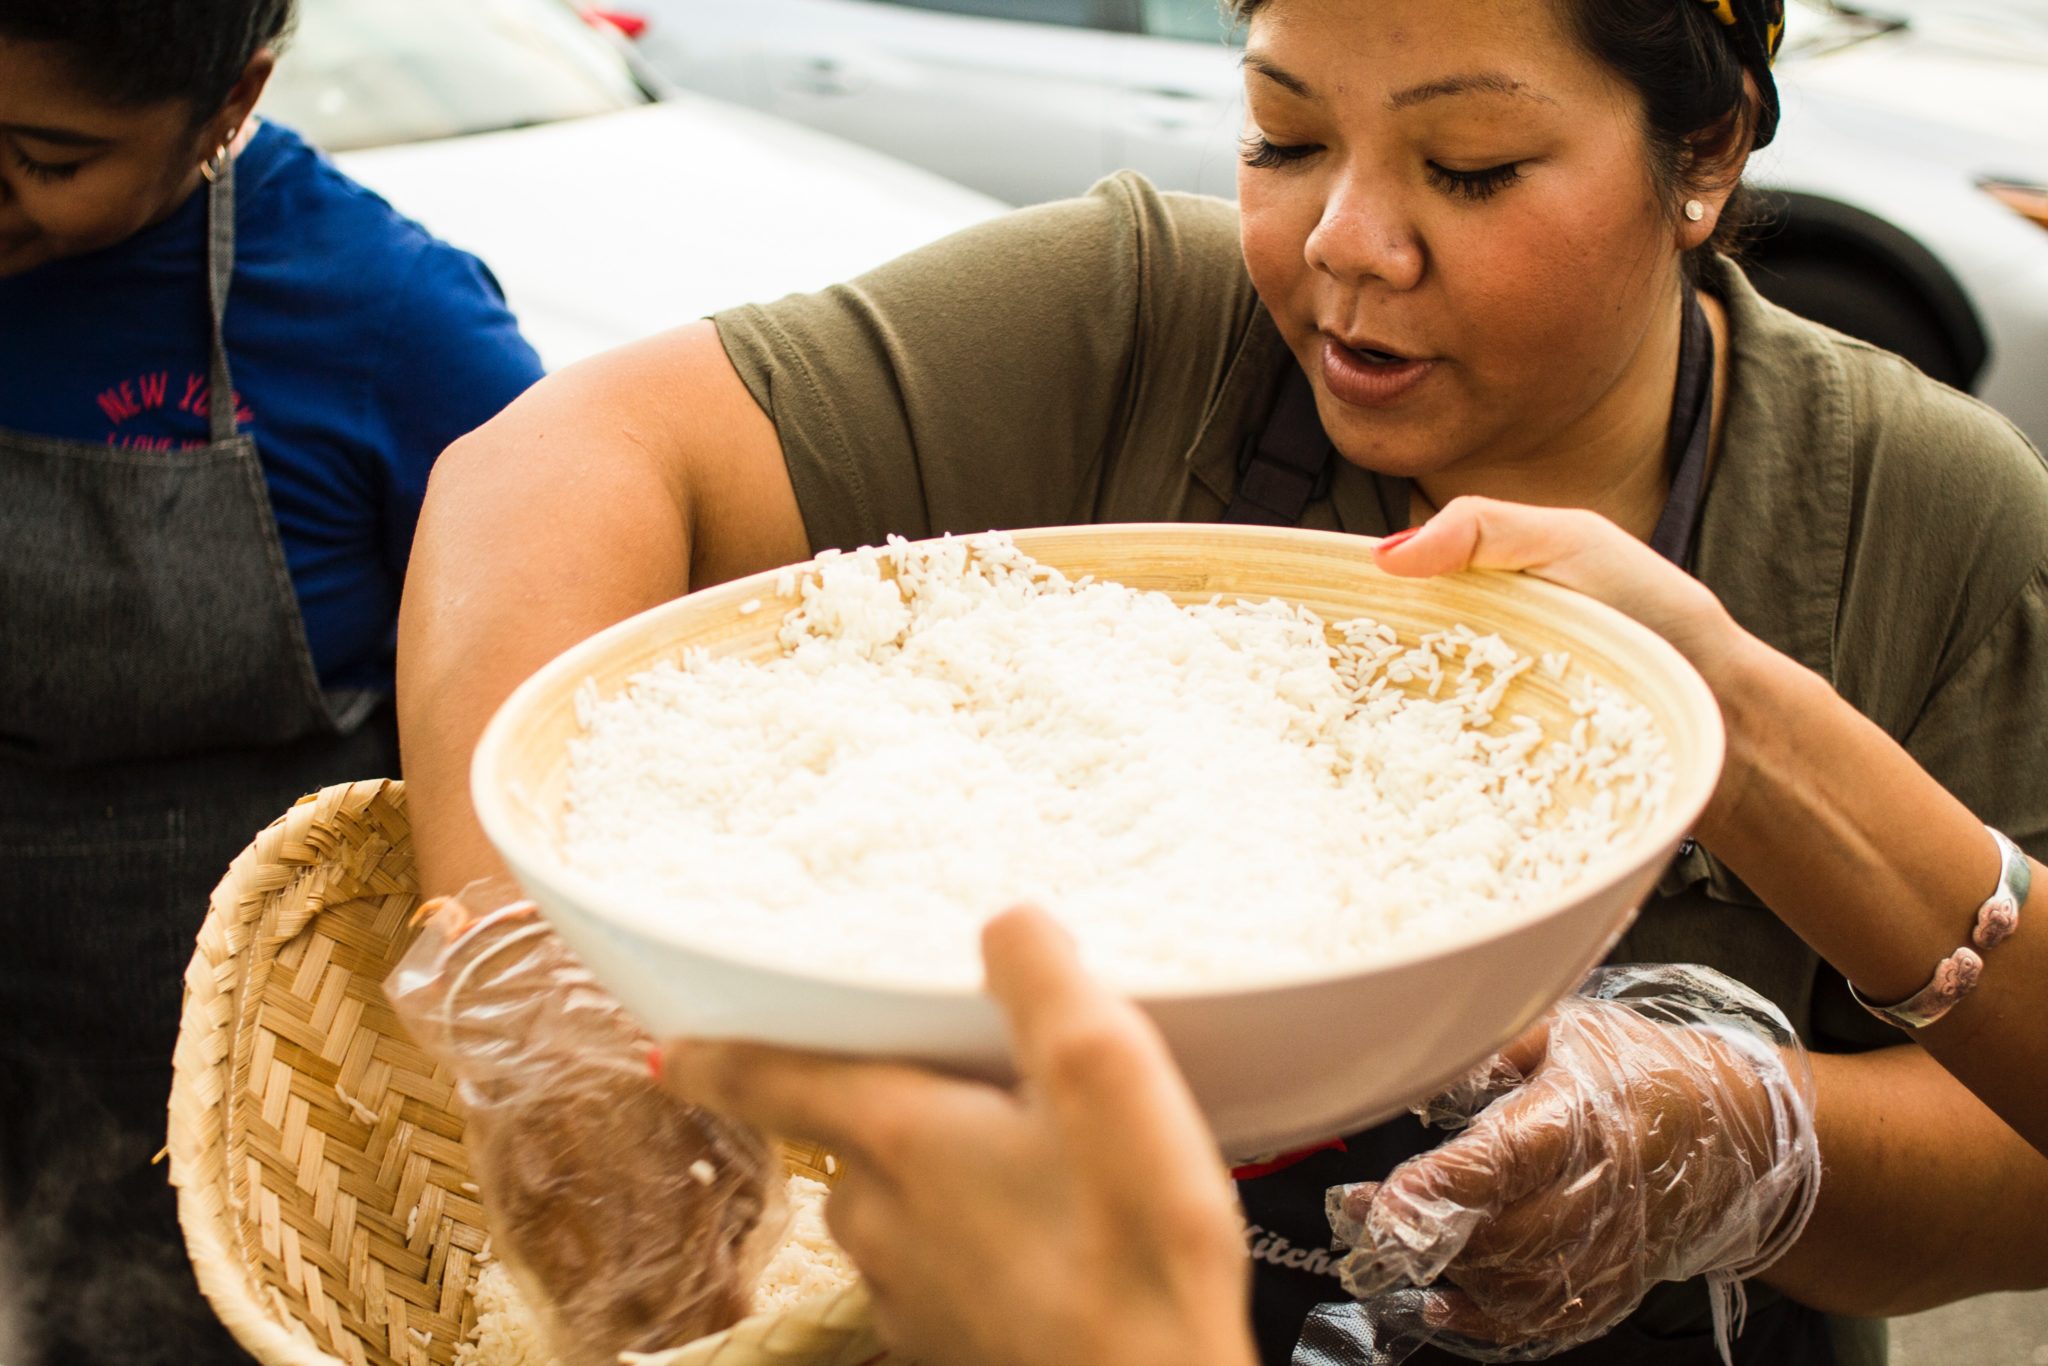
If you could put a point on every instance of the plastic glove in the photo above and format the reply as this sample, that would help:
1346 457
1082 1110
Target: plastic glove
630 1219
1657 1126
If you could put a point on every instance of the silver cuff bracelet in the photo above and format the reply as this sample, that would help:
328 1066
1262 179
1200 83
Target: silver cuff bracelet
1956 975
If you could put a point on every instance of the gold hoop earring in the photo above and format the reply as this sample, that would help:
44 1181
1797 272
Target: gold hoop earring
211 168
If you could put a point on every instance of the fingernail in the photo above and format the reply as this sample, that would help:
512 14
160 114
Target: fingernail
1398 537
654 1061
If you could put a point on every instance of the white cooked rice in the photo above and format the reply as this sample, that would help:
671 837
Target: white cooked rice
807 1263
1201 794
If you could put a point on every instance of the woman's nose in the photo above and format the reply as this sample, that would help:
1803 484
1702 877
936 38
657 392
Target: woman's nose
1363 237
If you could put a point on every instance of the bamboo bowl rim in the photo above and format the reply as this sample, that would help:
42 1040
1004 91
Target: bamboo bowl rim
498 796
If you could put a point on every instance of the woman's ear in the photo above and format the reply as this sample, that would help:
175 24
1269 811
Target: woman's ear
233 116
1720 155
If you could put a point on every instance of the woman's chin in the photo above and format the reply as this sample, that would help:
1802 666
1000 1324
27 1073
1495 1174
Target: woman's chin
1408 441
1381 452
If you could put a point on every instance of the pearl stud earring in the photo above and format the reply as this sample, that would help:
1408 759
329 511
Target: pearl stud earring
1694 210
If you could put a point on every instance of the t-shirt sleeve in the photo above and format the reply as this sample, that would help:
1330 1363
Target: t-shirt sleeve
451 359
976 383
1984 732
1948 646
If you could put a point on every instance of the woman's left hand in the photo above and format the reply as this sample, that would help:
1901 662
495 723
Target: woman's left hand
1085 1216
1579 550
1656 1127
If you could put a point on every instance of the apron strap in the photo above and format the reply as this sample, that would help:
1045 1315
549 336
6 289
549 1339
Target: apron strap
1691 438
220 271
1288 465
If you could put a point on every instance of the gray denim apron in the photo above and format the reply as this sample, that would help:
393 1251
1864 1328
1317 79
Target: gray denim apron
158 707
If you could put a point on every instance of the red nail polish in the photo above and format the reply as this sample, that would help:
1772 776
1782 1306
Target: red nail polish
1391 541
654 1061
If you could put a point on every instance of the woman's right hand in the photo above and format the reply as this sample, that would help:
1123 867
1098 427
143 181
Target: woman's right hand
1580 550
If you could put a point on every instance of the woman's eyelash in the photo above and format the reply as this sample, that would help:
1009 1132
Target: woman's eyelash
1476 184
1263 154
43 170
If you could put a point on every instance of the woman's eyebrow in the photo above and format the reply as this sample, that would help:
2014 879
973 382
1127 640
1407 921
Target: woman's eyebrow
1473 83
1278 75
62 137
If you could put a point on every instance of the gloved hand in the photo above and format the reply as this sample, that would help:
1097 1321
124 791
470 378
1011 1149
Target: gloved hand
1657 1126
632 1220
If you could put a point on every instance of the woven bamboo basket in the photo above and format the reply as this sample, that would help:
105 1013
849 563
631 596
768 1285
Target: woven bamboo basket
323 1186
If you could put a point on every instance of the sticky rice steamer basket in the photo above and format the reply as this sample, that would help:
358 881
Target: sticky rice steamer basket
1276 1064
323 1184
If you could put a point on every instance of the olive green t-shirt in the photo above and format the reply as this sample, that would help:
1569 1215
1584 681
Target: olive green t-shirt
1105 359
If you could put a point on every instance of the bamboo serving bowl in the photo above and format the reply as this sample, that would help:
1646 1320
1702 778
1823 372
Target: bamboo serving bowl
1275 1064
323 1185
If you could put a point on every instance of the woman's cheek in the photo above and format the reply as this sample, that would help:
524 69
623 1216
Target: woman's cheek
1274 223
90 214
1548 276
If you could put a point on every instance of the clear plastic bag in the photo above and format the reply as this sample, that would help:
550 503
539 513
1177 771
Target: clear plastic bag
631 1221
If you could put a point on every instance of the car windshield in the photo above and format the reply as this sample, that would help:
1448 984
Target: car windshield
368 73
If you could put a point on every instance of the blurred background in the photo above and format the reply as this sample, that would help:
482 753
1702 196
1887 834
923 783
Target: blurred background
627 169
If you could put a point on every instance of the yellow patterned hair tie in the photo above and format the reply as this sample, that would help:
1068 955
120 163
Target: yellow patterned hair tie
1756 19
1757 28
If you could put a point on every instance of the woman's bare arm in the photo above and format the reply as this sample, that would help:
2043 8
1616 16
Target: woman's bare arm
609 488
1926 1195
1881 870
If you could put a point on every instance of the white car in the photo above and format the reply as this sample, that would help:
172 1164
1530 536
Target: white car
1909 185
608 210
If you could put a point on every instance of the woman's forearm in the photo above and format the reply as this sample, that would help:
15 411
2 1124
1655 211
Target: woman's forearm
609 488
1926 1196
1876 866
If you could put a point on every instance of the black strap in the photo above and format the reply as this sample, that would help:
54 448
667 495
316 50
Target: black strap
1288 465
1691 438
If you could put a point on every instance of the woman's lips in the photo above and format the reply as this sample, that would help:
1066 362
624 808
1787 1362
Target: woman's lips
1353 378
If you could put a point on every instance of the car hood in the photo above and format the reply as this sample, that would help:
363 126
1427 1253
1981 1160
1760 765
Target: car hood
610 228
1974 75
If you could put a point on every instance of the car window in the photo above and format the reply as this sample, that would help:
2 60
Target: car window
368 73
1071 13
1201 21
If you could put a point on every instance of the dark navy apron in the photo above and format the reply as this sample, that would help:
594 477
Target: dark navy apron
158 707
1298 1306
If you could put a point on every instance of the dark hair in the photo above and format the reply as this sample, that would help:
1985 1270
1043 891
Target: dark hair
1700 115
137 52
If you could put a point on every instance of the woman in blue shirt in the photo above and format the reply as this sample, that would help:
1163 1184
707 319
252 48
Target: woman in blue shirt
225 371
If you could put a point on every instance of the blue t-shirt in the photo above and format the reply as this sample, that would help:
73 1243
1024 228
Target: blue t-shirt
361 347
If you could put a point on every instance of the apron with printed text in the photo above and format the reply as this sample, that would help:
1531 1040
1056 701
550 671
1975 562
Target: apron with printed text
158 707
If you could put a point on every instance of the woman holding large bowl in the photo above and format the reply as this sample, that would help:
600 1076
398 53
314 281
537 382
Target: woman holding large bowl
1107 1225
1477 251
